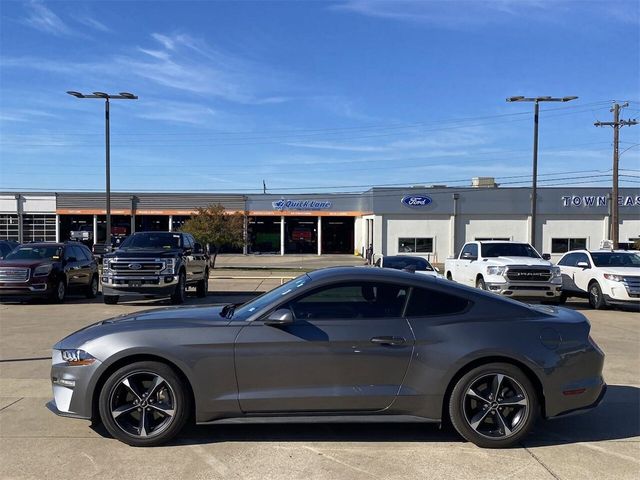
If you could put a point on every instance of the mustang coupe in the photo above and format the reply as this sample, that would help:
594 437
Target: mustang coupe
338 344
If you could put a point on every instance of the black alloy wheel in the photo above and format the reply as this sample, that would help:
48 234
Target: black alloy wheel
493 405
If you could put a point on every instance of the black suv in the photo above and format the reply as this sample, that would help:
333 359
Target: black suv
155 264
48 270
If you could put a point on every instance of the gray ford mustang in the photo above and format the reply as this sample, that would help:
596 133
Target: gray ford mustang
338 344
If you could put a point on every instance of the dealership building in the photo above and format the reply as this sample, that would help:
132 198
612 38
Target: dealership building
428 221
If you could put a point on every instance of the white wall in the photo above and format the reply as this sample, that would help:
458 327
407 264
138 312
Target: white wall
589 227
629 228
358 234
437 227
8 204
38 203
513 227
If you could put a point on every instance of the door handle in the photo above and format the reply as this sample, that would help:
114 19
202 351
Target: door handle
389 340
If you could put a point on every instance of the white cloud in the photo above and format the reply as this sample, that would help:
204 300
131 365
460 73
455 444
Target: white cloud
92 23
42 18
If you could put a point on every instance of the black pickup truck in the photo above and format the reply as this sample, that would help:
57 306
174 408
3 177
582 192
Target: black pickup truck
155 264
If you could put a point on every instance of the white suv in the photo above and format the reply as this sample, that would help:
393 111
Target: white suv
605 277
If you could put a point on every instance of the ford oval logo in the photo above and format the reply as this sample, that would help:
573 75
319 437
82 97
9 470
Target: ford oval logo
416 200
135 266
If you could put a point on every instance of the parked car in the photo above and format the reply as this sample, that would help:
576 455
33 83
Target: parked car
605 277
348 343
510 269
82 233
155 264
6 246
100 249
409 264
48 270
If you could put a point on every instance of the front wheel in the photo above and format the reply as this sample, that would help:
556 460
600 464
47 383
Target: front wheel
110 299
202 287
480 284
92 288
144 404
179 294
596 298
494 405
59 291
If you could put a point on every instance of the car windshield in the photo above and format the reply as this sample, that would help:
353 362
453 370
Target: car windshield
153 240
616 259
245 311
35 253
508 250
400 263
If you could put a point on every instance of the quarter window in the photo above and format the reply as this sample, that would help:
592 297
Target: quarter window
431 303
415 245
351 300
563 245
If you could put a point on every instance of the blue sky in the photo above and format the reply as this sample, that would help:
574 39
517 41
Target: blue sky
313 95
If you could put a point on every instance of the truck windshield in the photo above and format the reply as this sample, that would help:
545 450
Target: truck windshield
35 253
615 259
508 250
162 240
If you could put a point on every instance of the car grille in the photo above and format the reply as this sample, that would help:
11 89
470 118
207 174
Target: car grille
528 275
136 267
633 285
8 274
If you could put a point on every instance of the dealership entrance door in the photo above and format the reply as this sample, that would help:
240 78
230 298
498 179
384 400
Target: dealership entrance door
337 234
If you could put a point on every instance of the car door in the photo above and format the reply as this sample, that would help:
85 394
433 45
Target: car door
348 349
464 268
188 257
568 269
582 275
199 259
72 267
85 262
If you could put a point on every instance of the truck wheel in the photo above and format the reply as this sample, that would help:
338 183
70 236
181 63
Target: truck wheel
480 284
203 286
178 296
110 299
92 288
449 277
596 298
493 405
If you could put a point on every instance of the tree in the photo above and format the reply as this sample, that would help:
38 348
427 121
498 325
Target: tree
215 227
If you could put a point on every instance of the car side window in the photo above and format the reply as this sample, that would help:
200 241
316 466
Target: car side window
77 253
68 253
188 243
428 303
471 249
84 253
351 301
568 260
581 257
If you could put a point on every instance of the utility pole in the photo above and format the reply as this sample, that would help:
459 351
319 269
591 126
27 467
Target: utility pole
534 183
616 124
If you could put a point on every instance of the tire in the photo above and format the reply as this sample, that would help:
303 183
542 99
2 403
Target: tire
449 277
480 284
144 404
202 288
110 299
92 288
485 421
596 298
179 294
562 299
59 291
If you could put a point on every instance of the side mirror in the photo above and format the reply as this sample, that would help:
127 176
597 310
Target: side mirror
410 269
71 259
436 269
546 256
197 248
187 251
280 317
583 265
468 256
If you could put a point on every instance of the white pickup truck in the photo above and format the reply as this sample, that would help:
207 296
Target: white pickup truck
511 269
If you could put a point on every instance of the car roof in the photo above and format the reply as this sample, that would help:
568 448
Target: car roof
363 273
603 250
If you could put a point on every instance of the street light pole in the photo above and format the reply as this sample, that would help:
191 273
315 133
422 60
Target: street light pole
106 97
534 187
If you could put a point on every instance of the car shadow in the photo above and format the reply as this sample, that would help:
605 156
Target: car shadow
617 418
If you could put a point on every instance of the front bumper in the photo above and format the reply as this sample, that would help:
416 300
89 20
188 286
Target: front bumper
156 285
25 290
534 290
72 387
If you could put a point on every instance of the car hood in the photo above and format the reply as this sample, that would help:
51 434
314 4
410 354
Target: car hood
169 317
626 271
24 263
519 261
144 253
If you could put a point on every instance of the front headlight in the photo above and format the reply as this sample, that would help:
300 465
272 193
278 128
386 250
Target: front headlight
77 357
170 265
613 277
556 272
42 270
496 270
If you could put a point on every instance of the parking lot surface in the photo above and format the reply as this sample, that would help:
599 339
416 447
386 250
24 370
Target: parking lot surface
34 443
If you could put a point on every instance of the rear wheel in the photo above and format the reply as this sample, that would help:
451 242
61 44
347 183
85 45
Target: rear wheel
110 299
92 288
144 404
596 298
494 405
202 288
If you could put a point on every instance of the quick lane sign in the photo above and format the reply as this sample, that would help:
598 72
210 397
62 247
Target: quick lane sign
301 204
